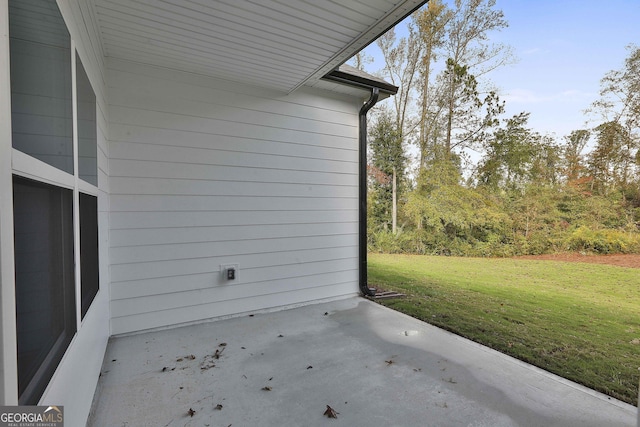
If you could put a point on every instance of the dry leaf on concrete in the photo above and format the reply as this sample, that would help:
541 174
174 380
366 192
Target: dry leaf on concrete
330 412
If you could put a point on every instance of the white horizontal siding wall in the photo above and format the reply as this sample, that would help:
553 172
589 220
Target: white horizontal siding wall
205 172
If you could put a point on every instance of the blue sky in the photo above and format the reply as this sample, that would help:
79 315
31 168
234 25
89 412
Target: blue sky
564 48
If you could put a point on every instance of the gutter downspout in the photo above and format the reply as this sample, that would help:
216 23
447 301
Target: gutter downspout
362 241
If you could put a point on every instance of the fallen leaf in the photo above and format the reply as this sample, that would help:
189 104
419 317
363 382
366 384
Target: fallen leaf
389 362
164 369
222 344
208 362
218 407
266 388
191 357
179 359
309 367
330 412
191 412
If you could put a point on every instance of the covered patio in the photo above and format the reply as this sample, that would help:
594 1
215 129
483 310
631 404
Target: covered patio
373 366
195 172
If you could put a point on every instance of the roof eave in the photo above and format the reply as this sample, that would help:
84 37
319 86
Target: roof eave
402 10
349 79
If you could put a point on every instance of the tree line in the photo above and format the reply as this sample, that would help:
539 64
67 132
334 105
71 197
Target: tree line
486 185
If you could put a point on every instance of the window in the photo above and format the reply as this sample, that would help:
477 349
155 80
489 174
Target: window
87 171
41 108
45 288
88 249
43 127
87 131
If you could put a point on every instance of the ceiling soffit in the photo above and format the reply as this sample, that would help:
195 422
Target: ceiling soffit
280 44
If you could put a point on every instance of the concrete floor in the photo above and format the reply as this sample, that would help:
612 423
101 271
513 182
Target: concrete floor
372 365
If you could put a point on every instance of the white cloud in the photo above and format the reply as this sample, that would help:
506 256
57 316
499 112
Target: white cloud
528 96
524 96
533 51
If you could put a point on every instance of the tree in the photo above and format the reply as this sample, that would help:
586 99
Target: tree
453 218
614 162
431 23
610 163
536 219
468 116
620 93
387 164
361 59
575 144
401 59
510 155
469 54
546 168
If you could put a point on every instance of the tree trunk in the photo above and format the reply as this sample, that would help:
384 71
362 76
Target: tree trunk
450 108
423 114
394 202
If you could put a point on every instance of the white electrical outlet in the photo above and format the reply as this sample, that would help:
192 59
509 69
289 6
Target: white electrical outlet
229 272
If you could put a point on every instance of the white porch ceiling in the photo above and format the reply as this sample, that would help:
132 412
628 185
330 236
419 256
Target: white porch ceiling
280 44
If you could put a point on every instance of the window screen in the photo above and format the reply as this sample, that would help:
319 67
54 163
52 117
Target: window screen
87 131
45 290
41 109
88 249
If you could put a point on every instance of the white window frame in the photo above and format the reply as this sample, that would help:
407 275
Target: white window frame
14 162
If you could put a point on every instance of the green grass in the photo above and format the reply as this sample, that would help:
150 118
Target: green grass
579 321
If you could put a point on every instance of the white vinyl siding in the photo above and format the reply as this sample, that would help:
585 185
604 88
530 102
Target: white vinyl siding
205 172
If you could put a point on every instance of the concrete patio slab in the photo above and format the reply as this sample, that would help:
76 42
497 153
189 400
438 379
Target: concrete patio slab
372 365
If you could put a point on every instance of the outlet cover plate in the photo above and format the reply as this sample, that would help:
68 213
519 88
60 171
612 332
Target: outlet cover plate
225 267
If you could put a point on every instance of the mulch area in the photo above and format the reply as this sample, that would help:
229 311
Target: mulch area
631 261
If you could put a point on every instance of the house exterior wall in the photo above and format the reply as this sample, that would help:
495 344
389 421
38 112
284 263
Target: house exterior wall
206 173
8 362
75 378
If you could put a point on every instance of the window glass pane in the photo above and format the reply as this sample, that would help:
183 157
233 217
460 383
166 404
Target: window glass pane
87 131
41 110
88 249
45 290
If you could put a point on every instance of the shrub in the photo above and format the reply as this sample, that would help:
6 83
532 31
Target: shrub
604 241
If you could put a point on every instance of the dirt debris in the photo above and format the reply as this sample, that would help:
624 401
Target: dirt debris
208 362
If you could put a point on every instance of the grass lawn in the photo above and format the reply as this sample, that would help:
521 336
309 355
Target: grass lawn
579 321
